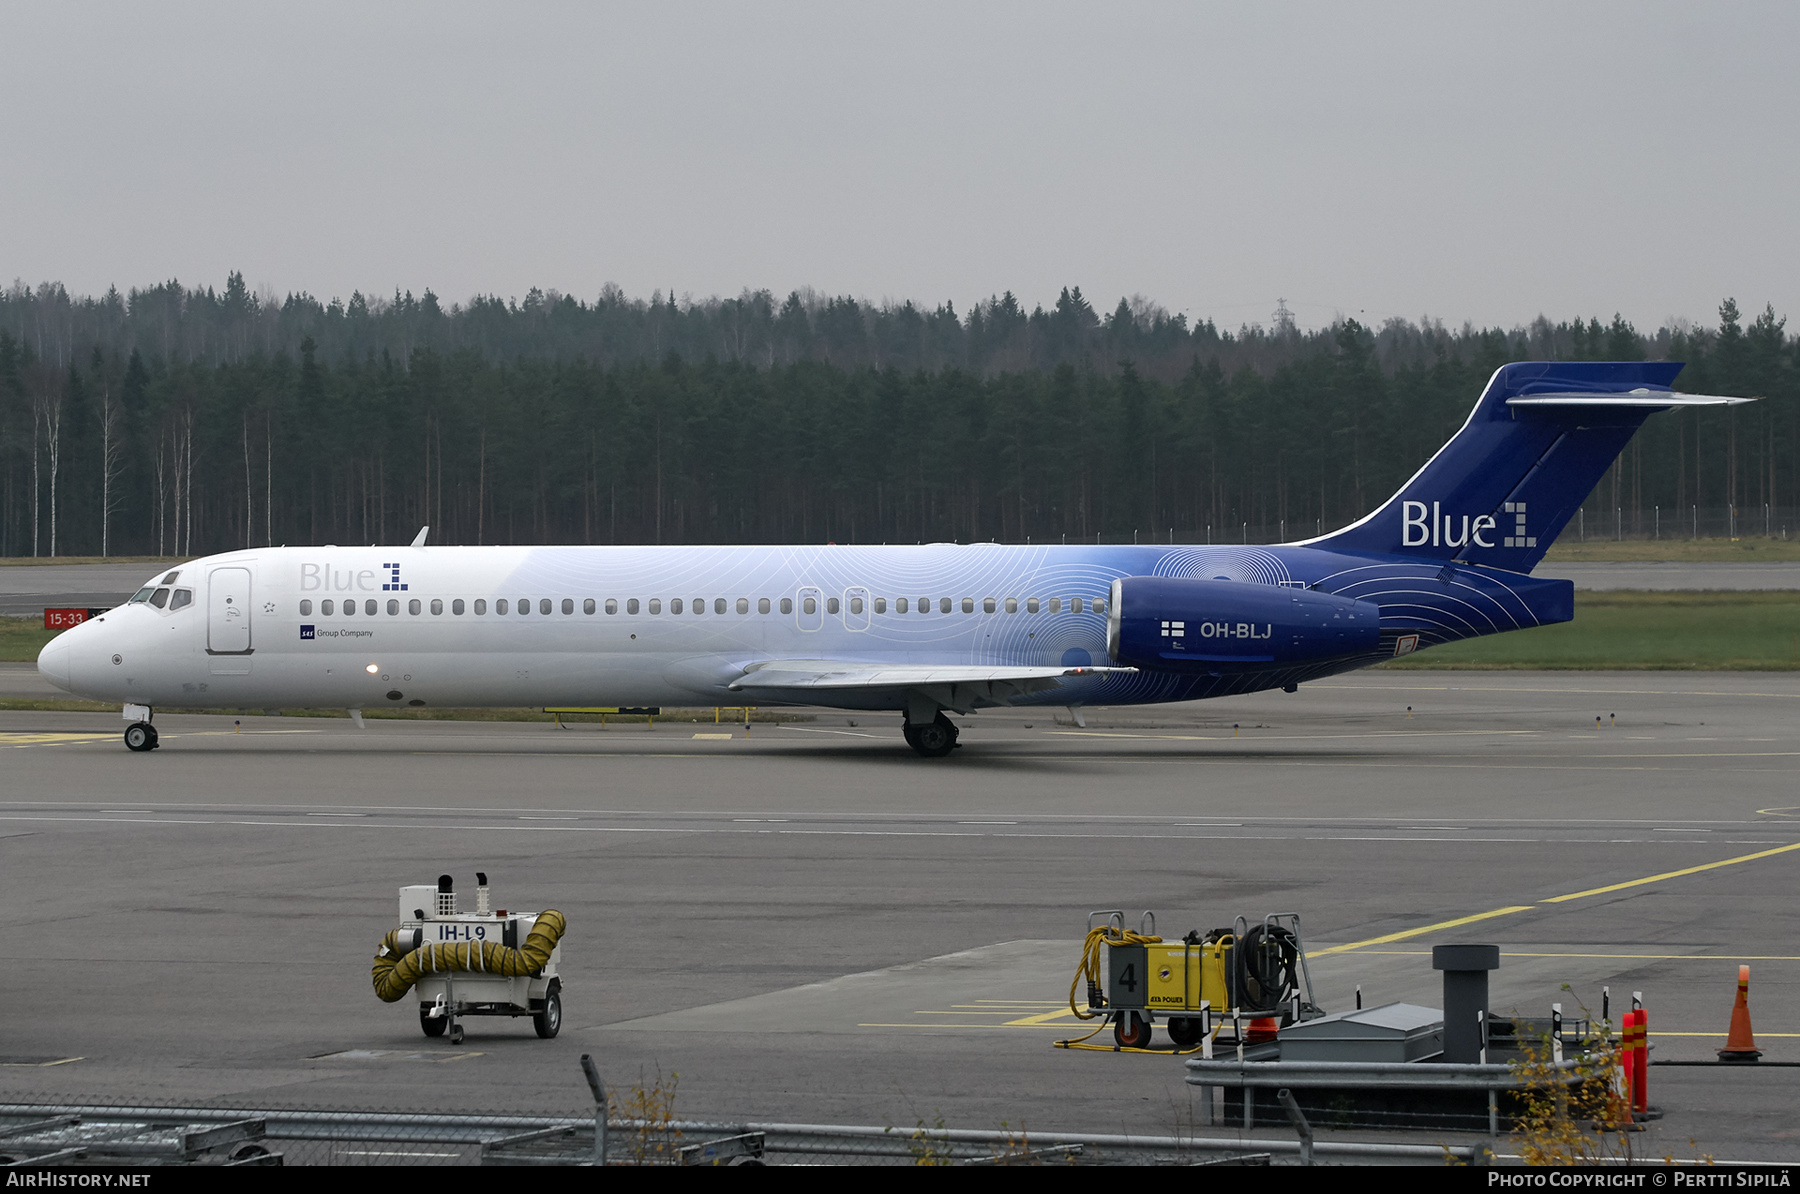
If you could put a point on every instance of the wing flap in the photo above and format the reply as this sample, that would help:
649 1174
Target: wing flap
826 674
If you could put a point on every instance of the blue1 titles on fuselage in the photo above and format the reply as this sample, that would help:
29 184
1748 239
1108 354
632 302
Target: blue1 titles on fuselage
923 631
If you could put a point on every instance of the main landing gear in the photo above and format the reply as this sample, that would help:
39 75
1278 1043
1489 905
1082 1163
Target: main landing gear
140 735
934 739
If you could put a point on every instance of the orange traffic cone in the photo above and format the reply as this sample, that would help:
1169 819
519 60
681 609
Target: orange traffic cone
1262 1029
1740 1042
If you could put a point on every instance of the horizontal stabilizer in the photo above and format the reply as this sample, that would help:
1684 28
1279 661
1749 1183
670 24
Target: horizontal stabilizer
1652 399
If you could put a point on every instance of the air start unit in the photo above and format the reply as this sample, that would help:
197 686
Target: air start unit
1246 972
481 963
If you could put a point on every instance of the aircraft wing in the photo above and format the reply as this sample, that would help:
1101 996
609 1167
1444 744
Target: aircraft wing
998 681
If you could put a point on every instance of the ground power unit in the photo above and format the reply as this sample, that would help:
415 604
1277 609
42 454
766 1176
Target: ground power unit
480 963
1197 983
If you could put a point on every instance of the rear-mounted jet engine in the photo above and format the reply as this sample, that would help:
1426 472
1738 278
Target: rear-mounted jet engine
1176 624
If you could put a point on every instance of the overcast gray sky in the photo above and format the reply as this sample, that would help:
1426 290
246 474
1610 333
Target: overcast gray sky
1470 161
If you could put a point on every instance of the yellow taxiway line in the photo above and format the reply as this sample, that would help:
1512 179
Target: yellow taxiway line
1574 895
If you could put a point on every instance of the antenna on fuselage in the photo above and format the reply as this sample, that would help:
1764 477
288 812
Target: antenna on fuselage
419 539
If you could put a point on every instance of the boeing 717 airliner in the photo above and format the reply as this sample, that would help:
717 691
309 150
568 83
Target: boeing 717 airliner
924 631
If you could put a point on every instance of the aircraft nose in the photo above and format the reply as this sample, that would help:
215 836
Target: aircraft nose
53 663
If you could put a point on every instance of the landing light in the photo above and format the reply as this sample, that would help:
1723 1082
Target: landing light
372 669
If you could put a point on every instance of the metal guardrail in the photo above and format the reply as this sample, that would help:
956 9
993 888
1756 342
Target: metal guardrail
1373 1079
849 1142
1357 1075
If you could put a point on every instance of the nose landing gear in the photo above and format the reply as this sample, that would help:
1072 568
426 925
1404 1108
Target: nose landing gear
140 735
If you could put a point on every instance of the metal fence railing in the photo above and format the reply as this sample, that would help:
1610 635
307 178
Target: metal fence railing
37 1133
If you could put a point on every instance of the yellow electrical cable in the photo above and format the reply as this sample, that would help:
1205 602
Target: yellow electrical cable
396 970
1089 964
1076 1044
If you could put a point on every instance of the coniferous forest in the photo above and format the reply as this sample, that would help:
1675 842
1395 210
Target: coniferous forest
176 421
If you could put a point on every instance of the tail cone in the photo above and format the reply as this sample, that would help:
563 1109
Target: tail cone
1740 1043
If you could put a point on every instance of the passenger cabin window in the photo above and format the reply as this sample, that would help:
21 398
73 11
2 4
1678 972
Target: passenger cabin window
369 607
943 605
987 605
326 607
159 598
787 605
631 606
1056 605
1074 605
900 605
456 607
1099 605
437 606
393 606
719 605
587 607
699 605
1031 605
412 607
1012 605
181 598
674 605
544 606
743 605
501 606
656 605
831 605
305 609
809 606
968 605
481 605
762 605
524 606
612 605
349 608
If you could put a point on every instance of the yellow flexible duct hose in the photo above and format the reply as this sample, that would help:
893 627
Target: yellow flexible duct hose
1090 959
395 971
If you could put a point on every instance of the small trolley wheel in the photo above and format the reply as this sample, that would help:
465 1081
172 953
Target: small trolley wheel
433 1025
139 736
549 1021
1132 1030
1185 1031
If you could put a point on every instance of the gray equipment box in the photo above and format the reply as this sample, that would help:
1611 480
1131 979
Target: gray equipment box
1391 1032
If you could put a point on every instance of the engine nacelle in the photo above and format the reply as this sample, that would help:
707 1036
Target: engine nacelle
1178 624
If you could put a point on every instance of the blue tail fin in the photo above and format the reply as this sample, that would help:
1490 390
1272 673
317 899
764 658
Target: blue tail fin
1534 447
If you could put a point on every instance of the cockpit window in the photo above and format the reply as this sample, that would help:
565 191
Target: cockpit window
182 597
159 598
171 578
143 594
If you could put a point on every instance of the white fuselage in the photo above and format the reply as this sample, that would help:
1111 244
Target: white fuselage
581 626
